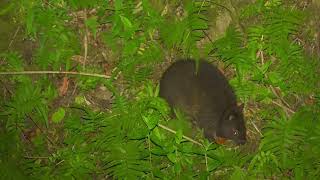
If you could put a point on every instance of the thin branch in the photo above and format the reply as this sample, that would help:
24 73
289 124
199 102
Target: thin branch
55 72
35 157
286 109
286 105
59 162
14 37
150 156
206 34
255 127
85 40
220 5
206 159
175 132
41 130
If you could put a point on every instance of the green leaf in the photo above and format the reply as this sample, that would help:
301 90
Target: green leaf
238 174
126 22
157 137
58 115
178 137
172 157
92 24
80 100
275 78
150 121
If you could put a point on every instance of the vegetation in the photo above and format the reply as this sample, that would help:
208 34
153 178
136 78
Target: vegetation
52 125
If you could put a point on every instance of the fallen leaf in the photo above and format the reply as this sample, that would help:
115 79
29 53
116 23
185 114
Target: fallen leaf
64 86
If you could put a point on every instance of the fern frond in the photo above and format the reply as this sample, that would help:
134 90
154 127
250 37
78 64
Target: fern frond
127 160
26 101
306 165
231 50
282 22
13 61
264 164
280 137
186 32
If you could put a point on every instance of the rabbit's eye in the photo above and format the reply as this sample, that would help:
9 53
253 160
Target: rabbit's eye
231 117
235 132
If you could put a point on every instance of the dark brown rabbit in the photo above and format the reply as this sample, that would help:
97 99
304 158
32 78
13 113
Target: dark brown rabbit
206 96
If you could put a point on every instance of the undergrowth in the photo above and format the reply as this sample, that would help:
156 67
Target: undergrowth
44 137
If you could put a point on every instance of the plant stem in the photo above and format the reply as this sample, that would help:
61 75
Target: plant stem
55 72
